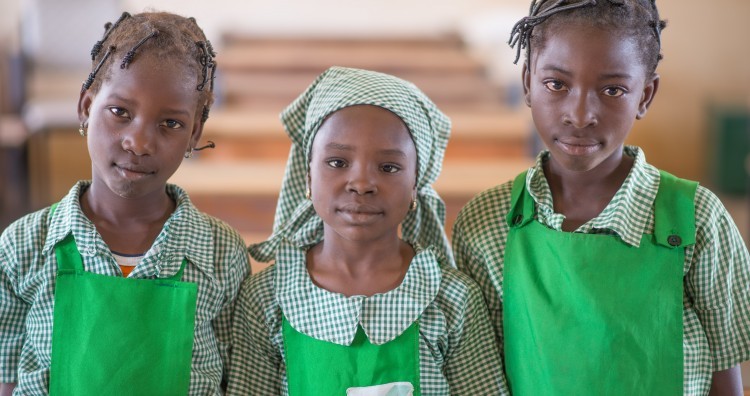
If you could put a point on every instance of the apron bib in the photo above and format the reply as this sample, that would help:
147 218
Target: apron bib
320 368
587 314
119 336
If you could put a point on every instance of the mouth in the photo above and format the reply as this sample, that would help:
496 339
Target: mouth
578 146
133 172
356 213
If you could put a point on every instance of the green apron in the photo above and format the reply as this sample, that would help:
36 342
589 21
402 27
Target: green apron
320 368
119 336
586 314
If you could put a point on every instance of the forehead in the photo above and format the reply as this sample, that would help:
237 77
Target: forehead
594 49
365 125
151 78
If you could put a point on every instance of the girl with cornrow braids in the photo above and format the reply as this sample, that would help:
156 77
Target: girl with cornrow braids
604 275
124 287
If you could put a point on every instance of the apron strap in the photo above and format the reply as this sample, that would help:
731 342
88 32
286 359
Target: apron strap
522 206
674 211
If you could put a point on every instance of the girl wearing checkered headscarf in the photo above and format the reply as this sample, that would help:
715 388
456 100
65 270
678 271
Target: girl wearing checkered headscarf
428 335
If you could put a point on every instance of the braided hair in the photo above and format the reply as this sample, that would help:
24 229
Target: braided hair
638 19
168 36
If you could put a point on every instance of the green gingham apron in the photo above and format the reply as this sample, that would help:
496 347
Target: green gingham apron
587 314
119 336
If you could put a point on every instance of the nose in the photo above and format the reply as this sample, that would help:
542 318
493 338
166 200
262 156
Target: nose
582 111
361 181
138 139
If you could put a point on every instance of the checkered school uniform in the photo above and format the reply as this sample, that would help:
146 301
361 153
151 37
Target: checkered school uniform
716 316
458 354
217 263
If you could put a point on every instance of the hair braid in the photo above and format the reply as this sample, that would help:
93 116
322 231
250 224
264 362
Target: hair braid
637 18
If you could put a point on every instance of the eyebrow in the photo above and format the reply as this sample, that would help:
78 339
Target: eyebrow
344 147
168 110
606 76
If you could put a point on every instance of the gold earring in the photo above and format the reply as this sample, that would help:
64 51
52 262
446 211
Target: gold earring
308 193
189 153
82 130
413 205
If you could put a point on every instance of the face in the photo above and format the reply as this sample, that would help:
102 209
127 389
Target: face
140 124
362 173
586 87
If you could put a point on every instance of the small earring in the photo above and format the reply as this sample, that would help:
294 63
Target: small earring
308 193
189 153
413 205
82 130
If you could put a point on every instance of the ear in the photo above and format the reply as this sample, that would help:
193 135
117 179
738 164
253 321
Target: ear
526 80
195 136
84 105
649 92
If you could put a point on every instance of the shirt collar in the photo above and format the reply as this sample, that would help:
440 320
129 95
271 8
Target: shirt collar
333 317
169 248
620 215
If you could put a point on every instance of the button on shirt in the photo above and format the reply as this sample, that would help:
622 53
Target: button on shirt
716 315
458 354
217 263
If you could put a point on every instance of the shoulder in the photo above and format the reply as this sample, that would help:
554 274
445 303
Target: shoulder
459 295
24 239
482 220
257 301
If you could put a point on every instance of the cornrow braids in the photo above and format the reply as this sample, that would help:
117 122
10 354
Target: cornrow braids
177 39
108 27
636 18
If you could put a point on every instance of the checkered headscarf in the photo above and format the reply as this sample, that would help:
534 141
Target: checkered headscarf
335 89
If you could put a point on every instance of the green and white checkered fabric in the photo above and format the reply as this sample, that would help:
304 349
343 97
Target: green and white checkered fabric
217 263
334 90
457 350
716 315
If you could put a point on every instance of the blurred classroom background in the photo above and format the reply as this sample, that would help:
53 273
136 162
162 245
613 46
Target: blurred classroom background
269 51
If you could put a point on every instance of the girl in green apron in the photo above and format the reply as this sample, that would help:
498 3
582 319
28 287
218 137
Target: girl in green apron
73 321
603 275
352 306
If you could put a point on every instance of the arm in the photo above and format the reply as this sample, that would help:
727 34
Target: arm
727 383
718 286
473 364
472 264
7 389
256 364
13 313
222 324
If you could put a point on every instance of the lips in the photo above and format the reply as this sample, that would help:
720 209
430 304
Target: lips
133 171
577 146
359 213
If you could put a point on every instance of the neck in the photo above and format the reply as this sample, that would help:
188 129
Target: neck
612 170
359 267
99 204
361 258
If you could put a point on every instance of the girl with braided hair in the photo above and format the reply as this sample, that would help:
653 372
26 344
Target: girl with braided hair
602 274
124 287
363 298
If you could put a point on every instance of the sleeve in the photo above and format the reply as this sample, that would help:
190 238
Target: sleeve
473 264
473 364
718 282
238 269
256 362
13 311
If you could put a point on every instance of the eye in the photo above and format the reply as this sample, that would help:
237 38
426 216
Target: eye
555 85
119 112
336 163
614 91
390 168
172 124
